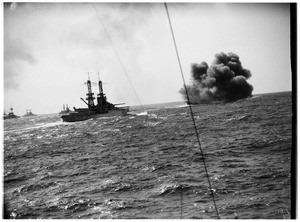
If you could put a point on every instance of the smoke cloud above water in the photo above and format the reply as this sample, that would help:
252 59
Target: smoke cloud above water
225 80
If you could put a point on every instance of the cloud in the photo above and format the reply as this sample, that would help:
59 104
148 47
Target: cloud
16 54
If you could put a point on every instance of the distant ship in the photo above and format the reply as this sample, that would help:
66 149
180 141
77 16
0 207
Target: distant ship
103 107
29 113
65 109
10 115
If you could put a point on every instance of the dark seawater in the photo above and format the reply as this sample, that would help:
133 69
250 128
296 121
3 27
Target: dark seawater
134 166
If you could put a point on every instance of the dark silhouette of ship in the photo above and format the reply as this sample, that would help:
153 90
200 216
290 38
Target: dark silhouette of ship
103 107
10 115
29 113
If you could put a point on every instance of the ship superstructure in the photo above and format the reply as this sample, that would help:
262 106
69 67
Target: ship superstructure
102 107
10 115
29 113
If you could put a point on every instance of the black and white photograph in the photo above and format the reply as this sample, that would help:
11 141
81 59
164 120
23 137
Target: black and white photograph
149 110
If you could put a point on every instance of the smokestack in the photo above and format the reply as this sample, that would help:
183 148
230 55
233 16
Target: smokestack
225 80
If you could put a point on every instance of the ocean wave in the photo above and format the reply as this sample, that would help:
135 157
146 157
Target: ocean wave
140 166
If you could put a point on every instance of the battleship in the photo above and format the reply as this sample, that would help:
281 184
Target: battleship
103 107
10 115
29 113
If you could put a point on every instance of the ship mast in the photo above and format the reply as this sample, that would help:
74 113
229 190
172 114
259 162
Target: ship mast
100 86
101 99
90 95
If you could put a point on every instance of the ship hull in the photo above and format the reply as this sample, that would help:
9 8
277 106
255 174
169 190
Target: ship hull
82 116
26 115
11 117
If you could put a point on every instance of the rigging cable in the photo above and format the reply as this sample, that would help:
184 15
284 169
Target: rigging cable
117 55
191 111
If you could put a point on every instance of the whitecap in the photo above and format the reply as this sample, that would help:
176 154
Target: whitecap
142 114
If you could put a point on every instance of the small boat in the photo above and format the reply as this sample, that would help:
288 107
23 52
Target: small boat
102 109
10 115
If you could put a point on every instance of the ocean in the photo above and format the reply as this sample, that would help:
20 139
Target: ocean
150 166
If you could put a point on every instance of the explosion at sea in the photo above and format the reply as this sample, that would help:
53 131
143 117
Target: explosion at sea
225 80
134 166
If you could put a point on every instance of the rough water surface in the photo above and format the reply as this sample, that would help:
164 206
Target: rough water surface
141 166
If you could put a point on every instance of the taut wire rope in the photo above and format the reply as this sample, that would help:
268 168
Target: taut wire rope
192 114
118 57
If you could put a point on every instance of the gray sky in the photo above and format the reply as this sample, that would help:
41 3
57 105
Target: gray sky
50 47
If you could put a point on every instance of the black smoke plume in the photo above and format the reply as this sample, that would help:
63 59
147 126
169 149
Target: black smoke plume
225 80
